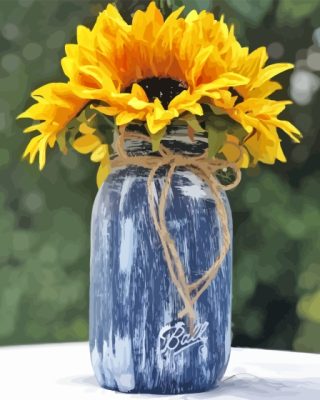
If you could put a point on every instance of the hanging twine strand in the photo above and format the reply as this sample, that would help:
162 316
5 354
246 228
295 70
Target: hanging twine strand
206 169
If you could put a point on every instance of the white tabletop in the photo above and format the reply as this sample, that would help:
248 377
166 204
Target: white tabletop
63 371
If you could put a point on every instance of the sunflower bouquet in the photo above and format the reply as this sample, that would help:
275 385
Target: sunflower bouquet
157 72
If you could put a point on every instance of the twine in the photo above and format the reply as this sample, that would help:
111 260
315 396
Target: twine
206 169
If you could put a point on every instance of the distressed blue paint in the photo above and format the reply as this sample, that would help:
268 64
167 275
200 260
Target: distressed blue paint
132 297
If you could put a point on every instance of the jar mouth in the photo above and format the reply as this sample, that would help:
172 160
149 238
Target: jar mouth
180 133
176 131
176 139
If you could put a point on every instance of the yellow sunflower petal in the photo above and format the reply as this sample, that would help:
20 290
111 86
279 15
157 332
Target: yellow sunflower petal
35 127
110 20
32 148
100 153
138 92
280 155
103 171
85 129
42 152
186 101
253 62
56 106
160 117
265 90
37 145
287 127
107 110
86 144
125 117
225 100
235 153
225 80
270 71
139 100
138 104
199 63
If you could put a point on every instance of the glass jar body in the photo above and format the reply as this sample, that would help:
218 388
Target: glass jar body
138 344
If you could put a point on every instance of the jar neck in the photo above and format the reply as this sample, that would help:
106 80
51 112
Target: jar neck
176 139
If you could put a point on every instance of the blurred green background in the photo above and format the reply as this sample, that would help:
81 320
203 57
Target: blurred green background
45 217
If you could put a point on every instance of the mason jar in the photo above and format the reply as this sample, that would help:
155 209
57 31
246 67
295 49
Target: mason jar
138 343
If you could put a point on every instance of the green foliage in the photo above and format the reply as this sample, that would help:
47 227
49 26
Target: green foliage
156 139
294 11
216 137
192 121
251 10
277 268
170 5
45 217
196 5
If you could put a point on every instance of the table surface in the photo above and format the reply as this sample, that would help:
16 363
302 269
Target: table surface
63 371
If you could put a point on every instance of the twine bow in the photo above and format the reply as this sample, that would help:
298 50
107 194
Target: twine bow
206 169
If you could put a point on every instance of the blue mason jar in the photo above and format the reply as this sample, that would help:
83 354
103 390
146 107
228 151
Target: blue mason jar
137 342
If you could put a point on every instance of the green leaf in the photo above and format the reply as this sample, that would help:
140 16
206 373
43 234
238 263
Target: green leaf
73 131
220 122
82 117
216 139
238 131
101 119
223 122
89 112
156 139
192 121
217 110
105 128
61 140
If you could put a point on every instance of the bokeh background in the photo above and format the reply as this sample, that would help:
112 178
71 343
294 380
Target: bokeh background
45 217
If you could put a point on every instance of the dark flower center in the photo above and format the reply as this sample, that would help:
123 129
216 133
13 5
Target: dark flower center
165 89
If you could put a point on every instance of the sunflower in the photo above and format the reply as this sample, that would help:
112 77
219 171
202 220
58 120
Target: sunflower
155 71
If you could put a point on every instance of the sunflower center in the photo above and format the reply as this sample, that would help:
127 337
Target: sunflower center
165 89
